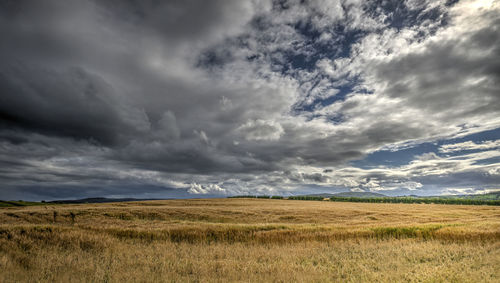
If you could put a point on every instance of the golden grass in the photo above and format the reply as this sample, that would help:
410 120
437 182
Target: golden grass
221 240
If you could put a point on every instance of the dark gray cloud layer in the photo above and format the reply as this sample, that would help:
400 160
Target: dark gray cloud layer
226 97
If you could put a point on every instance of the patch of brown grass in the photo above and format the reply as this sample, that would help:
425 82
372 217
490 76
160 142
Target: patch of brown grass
250 240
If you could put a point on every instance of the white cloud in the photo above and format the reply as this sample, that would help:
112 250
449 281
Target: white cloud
199 189
469 145
261 130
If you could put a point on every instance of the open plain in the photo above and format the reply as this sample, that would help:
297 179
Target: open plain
249 240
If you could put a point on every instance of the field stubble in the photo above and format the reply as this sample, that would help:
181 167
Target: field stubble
249 240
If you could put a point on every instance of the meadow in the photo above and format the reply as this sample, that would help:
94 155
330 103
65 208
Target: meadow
249 240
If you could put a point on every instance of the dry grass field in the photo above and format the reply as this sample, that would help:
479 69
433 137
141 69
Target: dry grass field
249 240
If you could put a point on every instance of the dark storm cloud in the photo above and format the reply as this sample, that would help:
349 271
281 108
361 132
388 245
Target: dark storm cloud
69 103
178 20
200 97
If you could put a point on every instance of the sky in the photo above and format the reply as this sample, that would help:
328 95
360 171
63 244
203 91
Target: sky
197 98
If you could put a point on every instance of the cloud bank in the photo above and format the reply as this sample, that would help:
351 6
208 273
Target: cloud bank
183 98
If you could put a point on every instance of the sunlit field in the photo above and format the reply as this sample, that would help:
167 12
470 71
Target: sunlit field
249 240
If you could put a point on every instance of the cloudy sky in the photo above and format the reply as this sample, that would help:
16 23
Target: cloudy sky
196 98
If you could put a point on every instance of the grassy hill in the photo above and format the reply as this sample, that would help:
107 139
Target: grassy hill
359 195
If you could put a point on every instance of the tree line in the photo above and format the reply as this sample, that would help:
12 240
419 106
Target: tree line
427 200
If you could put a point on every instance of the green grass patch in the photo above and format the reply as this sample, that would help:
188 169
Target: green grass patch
426 232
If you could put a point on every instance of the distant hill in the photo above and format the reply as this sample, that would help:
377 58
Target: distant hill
350 194
360 195
67 201
4 203
488 196
96 200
